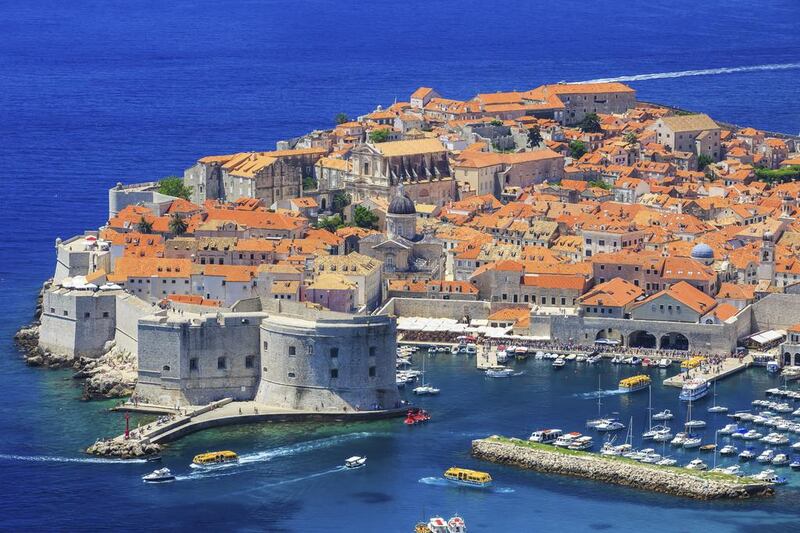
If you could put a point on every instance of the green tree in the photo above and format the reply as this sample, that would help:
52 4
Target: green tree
331 223
340 201
600 184
591 124
496 122
703 161
534 136
379 136
177 225
577 149
144 226
173 186
779 175
309 183
341 118
630 139
363 217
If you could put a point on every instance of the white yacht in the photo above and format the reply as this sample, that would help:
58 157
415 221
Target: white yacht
162 475
564 441
729 429
500 372
717 408
752 435
695 424
664 363
697 464
610 425
692 442
728 450
780 460
663 436
581 443
426 390
747 455
769 476
559 363
679 439
355 462
766 456
666 414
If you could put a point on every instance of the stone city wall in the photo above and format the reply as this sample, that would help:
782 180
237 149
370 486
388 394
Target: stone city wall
77 323
435 308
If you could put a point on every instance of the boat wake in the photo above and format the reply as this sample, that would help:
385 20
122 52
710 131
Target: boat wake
55 459
441 482
598 394
302 447
701 72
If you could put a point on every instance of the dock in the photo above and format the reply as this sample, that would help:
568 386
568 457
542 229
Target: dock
485 358
729 367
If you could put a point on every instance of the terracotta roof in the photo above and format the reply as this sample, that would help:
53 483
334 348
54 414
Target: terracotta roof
614 293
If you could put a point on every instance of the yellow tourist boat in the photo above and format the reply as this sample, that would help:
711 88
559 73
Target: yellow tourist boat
211 458
693 362
634 383
463 476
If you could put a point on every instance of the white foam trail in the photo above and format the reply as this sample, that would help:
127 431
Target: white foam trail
302 447
310 476
55 459
441 482
598 394
701 72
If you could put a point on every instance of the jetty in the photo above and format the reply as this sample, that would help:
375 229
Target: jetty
728 367
149 439
675 481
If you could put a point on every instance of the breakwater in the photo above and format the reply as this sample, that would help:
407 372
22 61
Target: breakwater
618 471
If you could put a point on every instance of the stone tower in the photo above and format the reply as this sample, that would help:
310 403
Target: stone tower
766 258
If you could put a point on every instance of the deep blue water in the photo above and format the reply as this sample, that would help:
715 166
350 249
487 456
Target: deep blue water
92 93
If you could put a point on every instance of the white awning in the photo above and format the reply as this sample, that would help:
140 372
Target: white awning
765 337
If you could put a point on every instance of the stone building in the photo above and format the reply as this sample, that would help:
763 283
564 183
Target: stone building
77 322
697 134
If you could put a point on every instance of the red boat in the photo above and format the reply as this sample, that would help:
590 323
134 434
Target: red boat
416 416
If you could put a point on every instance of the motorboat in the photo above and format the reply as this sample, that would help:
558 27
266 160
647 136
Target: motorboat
780 460
437 524
695 424
426 390
566 439
464 476
559 363
355 462
581 358
679 439
773 367
650 458
752 435
162 475
718 409
500 372
545 436
634 383
697 464
769 476
766 456
795 465
663 436
616 360
782 408
610 425
708 447
796 446
728 450
654 431
502 356
664 363
692 442
733 470
153 459
210 458
571 357
581 443
729 429
636 361
666 414
747 455
595 359
628 360
472 349
416 416
538 355
667 461
694 389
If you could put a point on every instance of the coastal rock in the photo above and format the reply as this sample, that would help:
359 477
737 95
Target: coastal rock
616 471
112 375
124 449
27 339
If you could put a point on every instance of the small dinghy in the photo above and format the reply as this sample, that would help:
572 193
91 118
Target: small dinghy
162 475
355 462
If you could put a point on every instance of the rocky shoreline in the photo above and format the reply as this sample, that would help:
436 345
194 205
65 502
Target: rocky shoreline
123 449
112 375
700 485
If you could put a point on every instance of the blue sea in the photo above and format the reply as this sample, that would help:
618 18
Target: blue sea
92 93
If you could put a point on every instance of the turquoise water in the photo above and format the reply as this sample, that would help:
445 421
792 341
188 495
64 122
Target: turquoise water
92 93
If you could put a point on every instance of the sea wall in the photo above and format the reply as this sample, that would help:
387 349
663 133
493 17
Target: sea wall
435 308
776 311
664 480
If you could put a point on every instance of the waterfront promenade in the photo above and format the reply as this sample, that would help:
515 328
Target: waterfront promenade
726 368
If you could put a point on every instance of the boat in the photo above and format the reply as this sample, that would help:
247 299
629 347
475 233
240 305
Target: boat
769 476
729 429
766 456
416 416
210 458
664 363
667 461
636 361
780 460
717 408
500 372
628 360
733 470
594 422
582 358
162 475
545 436
153 459
566 439
437 524
694 389
472 478
773 367
595 359
581 443
454 350
610 425
432 350
426 389
747 455
695 424
502 356
708 447
679 439
728 450
666 414
472 349
752 435
571 357
634 383
697 464
559 362
795 465
355 462
538 355
616 360
692 441
663 436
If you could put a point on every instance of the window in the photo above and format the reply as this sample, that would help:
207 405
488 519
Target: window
52 309
193 363
105 314
87 315
334 373
266 345
292 350
334 352
291 374
165 368
372 351
249 360
65 313
372 371
222 363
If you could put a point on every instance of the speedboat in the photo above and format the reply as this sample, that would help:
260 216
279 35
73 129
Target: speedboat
666 414
697 464
729 429
610 425
752 435
795 465
636 361
780 460
667 461
769 476
766 456
679 439
559 363
595 359
500 372
162 475
694 424
747 455
502 356
582 358
733 470
664 363
728 450
571 357
718 409
355 462
416 416
692 442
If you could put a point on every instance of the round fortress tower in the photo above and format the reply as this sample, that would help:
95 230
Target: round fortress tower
326 361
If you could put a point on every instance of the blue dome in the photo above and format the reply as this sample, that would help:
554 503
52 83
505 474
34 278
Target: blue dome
702 251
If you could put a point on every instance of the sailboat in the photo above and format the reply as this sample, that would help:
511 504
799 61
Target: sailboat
425 389
600 420
691 440
717 408
657 430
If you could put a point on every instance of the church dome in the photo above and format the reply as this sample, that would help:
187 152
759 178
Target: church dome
402 205
702 251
